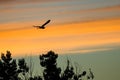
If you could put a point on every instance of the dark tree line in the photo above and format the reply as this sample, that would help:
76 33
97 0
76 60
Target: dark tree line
10 69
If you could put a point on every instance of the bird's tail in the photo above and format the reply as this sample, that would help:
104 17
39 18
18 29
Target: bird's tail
35 26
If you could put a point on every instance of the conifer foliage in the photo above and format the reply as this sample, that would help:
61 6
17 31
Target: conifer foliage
51 72
9 69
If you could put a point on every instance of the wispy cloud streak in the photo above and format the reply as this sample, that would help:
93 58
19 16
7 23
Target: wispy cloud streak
74 23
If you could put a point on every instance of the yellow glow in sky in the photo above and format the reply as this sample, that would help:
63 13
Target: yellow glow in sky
60 37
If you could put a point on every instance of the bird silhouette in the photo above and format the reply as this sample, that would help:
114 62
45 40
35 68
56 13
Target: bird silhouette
42 26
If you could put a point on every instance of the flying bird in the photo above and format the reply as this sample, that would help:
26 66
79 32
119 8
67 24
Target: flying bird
42 26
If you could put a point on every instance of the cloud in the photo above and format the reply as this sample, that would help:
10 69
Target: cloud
4 1
27 1
105 47
62 12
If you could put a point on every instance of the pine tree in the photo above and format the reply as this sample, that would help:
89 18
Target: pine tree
9 70
48 61
8 67
52 72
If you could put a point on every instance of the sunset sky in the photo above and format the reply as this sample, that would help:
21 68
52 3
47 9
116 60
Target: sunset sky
76 26
88 31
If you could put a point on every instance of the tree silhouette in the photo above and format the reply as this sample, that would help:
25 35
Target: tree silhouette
9 69
51 72
23 68
91 75
70 74
35 78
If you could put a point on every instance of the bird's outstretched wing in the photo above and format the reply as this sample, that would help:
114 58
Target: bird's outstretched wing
46 23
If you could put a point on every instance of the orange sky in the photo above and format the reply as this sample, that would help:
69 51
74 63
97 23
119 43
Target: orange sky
74 25
60 38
